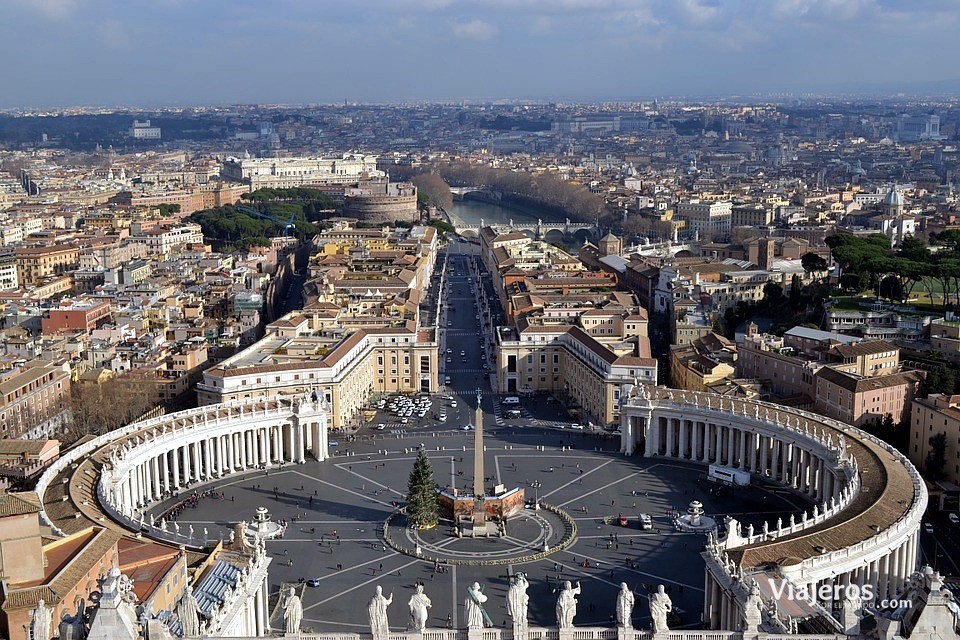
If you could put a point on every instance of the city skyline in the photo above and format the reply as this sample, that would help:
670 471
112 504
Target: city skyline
184 52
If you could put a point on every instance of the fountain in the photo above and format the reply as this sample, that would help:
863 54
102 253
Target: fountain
263 527
694 520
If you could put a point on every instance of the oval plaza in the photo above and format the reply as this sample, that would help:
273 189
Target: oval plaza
861 527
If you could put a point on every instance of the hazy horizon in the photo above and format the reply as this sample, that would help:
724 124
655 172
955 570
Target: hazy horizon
108 53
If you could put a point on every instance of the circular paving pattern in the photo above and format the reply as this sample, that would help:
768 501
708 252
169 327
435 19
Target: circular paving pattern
531 535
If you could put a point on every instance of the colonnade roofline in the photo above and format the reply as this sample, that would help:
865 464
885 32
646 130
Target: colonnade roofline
887 506
91 483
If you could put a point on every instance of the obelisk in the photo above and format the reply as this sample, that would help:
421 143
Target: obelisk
479 510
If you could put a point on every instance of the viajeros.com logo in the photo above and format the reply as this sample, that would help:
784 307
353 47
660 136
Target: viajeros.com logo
865 595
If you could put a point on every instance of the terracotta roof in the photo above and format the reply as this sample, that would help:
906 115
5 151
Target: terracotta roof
865 348
18 504
22 447
859 384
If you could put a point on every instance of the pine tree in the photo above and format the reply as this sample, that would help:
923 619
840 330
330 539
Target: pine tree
422 506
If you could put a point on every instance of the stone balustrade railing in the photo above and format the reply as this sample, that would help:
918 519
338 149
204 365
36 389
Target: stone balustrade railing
194 418
806 429
576 633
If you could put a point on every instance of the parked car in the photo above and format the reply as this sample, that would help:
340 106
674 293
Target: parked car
954 518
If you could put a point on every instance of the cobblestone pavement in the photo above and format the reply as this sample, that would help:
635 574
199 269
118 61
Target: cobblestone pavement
340 505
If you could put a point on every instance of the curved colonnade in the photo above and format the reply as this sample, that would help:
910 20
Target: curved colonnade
863 526
117 476
868 499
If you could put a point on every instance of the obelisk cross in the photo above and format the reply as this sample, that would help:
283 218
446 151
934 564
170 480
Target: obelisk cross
478 480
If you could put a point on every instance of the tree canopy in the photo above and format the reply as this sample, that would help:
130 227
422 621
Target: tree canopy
434 190
869 261
231 229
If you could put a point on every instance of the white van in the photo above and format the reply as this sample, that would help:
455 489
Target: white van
511 400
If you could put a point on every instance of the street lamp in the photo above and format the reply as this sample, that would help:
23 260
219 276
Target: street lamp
536 492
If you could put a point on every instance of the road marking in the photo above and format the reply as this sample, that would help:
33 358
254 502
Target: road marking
357 586
579 477
597 490
351 491
607 565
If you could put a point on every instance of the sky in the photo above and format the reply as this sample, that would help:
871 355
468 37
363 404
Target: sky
203 52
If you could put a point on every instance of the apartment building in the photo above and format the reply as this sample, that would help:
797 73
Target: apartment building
161 241
876 320
945 337
9 277
562 359
843 377
705 361
83 316
705 220
750 215
937 413
35 400
857 400
36 263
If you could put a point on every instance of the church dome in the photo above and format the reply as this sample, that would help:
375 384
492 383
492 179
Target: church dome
893 198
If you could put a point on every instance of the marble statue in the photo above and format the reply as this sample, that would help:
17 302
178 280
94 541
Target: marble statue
418 605
71 628
517 599
660 607
377 613
473 607
753 609
292 612
567 605
850 611
625 607
187 610
40 624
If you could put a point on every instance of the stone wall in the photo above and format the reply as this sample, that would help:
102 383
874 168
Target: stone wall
381 209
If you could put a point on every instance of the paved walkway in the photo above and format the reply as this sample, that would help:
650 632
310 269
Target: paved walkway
335 509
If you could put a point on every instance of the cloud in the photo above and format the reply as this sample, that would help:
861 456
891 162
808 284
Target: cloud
474 29
114 35
53 9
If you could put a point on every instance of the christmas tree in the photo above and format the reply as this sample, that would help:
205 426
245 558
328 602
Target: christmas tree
422 506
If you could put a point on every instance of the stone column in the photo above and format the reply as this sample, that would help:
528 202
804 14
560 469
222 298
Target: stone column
670 436
280 429
147 480
718 443
683 424
301 443
175 461
651 445
775 456
165 471
257 613
185 463
195 454
742 463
